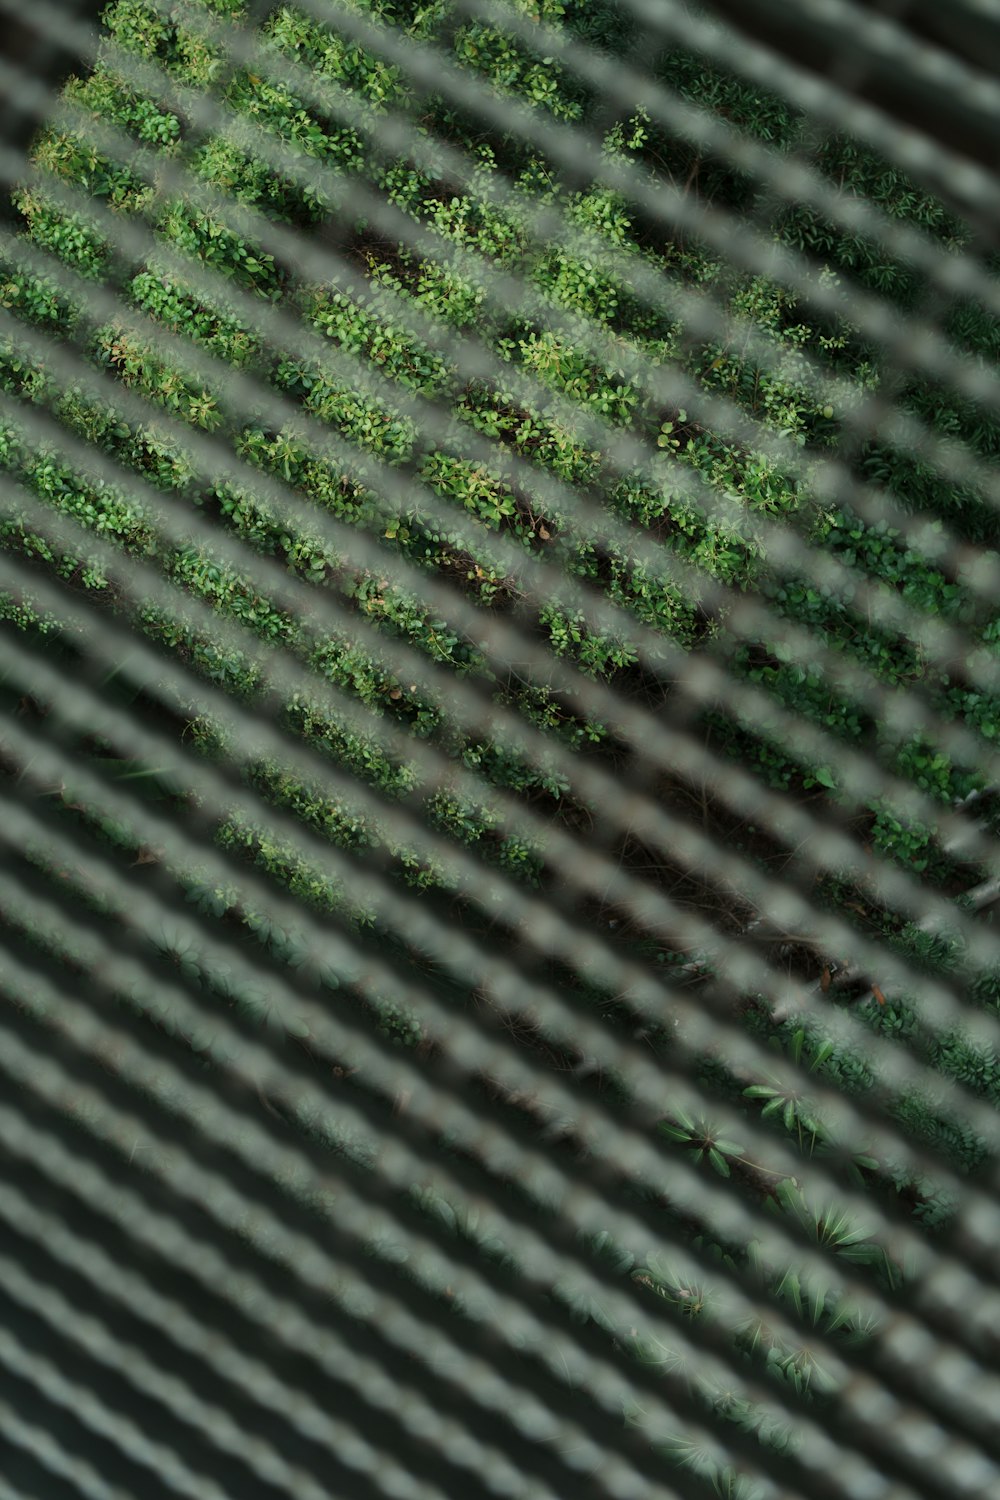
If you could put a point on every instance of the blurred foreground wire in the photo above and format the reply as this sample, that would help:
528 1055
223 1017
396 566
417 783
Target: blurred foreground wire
499 794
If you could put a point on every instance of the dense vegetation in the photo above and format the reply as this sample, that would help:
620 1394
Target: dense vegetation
420 548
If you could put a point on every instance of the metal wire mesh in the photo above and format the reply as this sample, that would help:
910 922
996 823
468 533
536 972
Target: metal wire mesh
499 814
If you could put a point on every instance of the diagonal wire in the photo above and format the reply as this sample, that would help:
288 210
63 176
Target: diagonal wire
402 1082
231 1364
39 1442
464 1128
788 179
747 618
744 615
699 1028
566 144
917 152
631 269
649 811
259 139
833 855
646 1079
880 38
259 1152
88 1409
941 642
206 1417
299 75
312 1264
122 1049
924 808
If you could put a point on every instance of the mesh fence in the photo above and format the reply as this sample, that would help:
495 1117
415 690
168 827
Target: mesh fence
500 800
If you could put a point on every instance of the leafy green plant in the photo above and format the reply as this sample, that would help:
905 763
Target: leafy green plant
831 1228
704 1141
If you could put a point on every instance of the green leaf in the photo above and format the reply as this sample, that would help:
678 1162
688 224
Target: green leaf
155 781
684 1130
822 1053
730 1148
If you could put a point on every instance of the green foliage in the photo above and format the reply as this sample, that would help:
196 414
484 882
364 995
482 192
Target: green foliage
703 1140
69 155
946 1134
598 655
34 299
747 107
858 172
274 107
512 69
906 839
300 36
211 327
109 96
191 231
76 242
132 359
831 1228
180 44
369 422
400 1023
360 329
